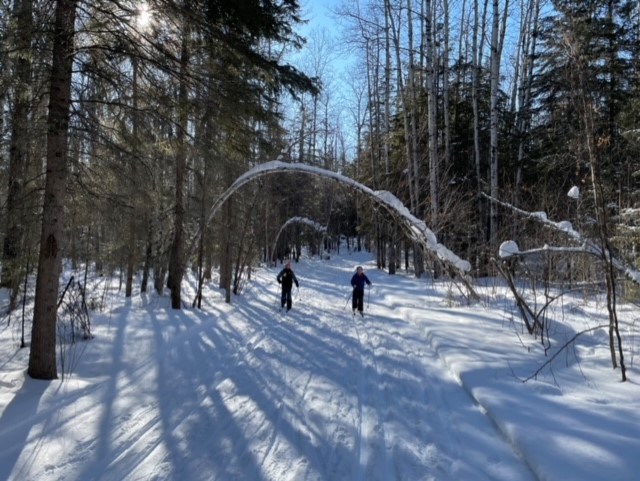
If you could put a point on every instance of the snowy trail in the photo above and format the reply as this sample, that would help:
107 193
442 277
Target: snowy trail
394 418
314 394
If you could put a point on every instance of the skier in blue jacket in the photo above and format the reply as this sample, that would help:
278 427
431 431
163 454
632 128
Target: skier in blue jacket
358 282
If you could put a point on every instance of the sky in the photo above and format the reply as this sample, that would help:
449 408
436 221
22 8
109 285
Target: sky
319 12
422 387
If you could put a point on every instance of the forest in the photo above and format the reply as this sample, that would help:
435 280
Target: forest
122 122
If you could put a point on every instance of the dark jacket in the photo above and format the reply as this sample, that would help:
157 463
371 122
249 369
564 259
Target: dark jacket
287 278
358 281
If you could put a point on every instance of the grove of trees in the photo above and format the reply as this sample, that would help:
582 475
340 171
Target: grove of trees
122 122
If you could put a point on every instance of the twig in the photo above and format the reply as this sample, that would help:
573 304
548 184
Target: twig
562 348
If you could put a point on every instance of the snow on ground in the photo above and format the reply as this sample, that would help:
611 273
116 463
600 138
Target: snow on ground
421 388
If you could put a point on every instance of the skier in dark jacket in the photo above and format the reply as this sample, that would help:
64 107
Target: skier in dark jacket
358 282
286 278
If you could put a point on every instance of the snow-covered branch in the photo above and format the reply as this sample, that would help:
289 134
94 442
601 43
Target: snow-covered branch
588 246
298 220
510 249
303 220
416 229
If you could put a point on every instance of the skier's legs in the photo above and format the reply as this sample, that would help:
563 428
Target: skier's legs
289 299
358 297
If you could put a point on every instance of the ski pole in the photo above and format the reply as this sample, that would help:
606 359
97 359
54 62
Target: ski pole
347 301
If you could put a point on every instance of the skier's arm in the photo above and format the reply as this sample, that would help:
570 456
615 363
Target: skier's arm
295 279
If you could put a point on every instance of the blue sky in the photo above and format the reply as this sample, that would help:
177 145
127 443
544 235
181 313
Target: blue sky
318 12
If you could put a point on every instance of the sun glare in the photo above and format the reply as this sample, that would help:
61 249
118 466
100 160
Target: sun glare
144 16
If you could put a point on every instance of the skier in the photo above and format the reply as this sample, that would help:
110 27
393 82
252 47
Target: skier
358 281
286 278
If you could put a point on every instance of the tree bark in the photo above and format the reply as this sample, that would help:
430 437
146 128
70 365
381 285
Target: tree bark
133 194
226 264
494 117
18 150
42 357
176 261
434 161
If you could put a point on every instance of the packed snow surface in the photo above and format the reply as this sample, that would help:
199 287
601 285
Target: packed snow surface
423 387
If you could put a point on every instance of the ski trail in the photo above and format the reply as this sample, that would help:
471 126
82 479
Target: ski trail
372 459
431 416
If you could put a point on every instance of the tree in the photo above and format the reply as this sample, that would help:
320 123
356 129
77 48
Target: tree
176 260
497 43
42 356
19 146
239 29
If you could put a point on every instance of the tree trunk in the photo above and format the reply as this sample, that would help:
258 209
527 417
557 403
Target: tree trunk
477 48
494 117
413 177
445 89
586 109
133 193
226 264
148 257
18 150
434 161
527 52
42 357
176 261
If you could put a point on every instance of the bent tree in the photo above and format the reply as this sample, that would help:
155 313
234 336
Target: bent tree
297 220
415 228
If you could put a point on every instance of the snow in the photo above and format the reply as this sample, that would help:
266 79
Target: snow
574 192
304 220
420 388
508 248
588 246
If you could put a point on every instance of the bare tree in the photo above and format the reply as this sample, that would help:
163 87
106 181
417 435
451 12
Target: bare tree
586 110
477 41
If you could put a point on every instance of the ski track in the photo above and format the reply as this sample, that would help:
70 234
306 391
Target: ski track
374 453
373 460
391 416
315 394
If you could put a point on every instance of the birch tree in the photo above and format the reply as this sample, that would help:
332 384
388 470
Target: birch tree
526 53
432 122
498 27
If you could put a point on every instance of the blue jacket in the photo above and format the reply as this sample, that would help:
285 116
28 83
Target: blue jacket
358 281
